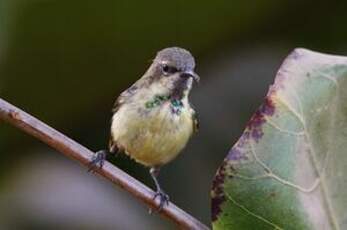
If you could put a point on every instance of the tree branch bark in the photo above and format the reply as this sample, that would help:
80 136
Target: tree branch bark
72 149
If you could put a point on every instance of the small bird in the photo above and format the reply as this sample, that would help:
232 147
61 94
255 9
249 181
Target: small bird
153 120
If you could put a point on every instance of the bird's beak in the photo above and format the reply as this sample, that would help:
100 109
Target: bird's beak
191 74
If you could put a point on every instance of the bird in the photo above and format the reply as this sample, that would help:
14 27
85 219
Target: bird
153 119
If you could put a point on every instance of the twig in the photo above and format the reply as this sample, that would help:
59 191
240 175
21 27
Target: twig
72 149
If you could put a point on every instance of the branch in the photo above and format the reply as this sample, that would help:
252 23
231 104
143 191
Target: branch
72 149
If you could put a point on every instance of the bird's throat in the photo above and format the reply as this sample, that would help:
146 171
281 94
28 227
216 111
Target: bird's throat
176 104
180 88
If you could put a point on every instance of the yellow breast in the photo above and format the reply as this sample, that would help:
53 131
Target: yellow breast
152 136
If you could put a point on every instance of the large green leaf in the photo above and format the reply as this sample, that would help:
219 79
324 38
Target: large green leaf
289 168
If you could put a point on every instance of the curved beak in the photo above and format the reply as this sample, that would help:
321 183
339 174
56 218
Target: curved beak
191 74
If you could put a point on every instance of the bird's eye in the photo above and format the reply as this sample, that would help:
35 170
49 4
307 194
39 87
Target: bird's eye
169 69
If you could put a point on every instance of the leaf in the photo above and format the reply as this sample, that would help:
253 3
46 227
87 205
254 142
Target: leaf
288 169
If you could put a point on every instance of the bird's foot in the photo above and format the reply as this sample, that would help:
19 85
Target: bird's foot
97 160
163 199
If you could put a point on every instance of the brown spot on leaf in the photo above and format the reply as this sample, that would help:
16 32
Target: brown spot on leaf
254 126
217 193
235 154
254 130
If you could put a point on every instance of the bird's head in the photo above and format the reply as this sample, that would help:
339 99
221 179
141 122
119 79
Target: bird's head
173 68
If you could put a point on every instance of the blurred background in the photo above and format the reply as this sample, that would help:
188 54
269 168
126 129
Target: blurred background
66 61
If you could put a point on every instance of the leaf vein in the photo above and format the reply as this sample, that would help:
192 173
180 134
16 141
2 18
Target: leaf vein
252 213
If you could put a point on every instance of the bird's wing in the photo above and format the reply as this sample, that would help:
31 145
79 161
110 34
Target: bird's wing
196 122
195 117
112 145
123 97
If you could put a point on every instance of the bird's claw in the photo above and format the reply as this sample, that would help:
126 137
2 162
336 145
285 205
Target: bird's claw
163 199
97 161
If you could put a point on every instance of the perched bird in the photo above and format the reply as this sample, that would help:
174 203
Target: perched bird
153 120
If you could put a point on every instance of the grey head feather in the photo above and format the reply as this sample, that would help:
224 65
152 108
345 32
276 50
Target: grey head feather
182 59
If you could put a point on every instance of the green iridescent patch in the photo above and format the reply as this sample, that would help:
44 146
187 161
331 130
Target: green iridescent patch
156 101
162 97
149 104
176 103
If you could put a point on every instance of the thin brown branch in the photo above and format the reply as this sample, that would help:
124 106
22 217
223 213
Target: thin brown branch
72 149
